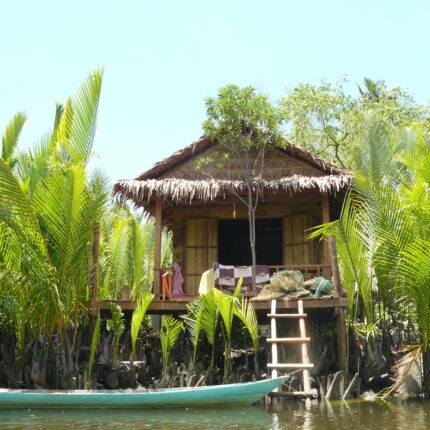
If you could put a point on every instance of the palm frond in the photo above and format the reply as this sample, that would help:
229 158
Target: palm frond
117 325
415 268
94 342
194 323
246 313
170 330
11 136
139 312
83 127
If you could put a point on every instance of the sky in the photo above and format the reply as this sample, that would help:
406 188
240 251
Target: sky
162 59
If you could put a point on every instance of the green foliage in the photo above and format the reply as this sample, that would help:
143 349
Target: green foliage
327 120
142 304
415 268
354 260
10 138
117 326
204 317
194 323
210 320
49 207
127 253
170 330
244 124
246 313
227 306
242 119
47 211
383 234
94 342
368 332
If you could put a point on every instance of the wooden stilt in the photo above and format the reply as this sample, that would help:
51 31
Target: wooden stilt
341 327
157 247
325 220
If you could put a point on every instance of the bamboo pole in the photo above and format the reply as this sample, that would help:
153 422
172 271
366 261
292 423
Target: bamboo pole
157 246
325 220
348 391
330 389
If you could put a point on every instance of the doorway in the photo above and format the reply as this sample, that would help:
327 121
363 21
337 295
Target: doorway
233 242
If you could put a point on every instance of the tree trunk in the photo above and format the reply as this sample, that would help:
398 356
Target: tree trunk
251 218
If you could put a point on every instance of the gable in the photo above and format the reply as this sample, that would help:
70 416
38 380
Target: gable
277 165
164 167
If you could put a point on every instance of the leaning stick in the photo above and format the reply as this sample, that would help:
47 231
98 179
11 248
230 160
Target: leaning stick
332 385
350 387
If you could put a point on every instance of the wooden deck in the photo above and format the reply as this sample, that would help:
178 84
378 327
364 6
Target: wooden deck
180 305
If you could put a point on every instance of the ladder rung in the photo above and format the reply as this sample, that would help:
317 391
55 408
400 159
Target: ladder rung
289 339
287 315
290 394
290 366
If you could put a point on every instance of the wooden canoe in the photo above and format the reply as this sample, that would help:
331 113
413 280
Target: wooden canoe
230 395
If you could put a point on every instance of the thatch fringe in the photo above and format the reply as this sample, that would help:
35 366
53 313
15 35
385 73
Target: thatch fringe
183 191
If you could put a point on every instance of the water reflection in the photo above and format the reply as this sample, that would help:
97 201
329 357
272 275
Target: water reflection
341 415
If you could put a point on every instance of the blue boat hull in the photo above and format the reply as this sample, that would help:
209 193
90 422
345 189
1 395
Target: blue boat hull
231 395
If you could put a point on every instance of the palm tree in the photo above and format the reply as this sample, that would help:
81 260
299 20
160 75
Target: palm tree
127 253
383 235
48 206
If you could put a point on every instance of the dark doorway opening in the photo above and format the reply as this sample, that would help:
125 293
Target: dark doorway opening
233 242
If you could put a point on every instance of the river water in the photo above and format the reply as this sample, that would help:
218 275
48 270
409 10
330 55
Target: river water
352 415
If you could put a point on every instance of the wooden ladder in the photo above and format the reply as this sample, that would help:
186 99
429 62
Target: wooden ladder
305 365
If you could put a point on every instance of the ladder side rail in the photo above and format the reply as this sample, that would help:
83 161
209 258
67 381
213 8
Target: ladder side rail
274 336
304 347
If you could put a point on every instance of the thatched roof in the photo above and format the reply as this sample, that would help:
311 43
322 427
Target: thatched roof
160 179
201 145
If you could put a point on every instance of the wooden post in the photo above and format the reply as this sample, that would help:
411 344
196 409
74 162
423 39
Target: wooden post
157 247
335 267
125 293
325 220
341 328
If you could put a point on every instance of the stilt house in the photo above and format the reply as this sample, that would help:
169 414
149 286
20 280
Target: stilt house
209 222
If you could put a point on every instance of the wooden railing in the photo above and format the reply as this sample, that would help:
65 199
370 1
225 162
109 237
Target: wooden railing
309 271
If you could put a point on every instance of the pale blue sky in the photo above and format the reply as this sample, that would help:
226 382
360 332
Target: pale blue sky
163 58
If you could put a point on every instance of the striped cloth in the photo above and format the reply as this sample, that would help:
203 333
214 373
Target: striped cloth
228 276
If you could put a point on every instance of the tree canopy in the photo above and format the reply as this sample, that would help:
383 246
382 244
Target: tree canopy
325 119
244 124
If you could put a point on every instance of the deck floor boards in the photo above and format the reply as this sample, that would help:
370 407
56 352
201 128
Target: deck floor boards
180 305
